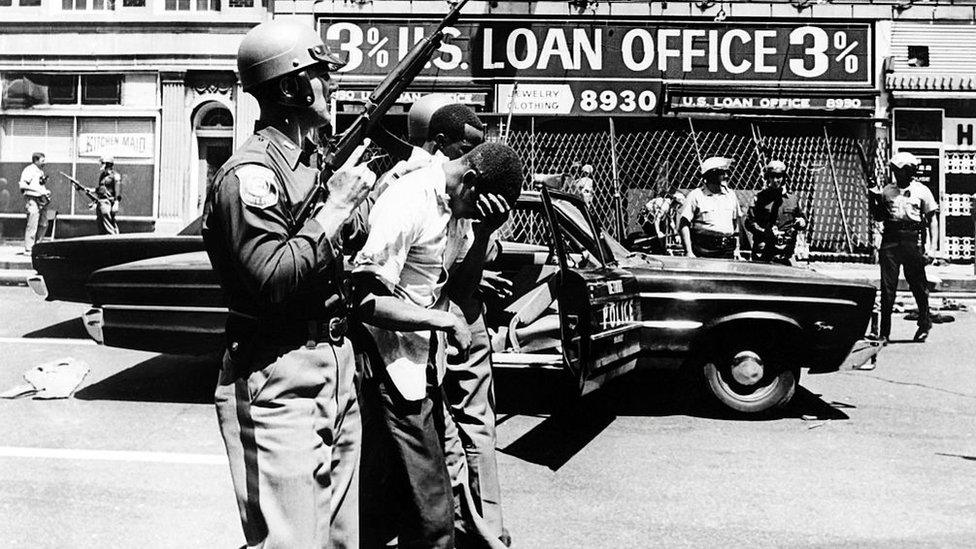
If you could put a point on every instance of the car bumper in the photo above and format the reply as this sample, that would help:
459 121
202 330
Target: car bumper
94 324
864 351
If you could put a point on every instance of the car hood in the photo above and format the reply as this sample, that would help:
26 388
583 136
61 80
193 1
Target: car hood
640 263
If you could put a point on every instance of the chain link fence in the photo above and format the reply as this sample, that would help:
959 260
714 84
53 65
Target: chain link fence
829 165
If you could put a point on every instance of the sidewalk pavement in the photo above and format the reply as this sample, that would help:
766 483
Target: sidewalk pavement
14 267
949 278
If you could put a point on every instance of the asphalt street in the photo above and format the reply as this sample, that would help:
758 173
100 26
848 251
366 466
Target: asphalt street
883 458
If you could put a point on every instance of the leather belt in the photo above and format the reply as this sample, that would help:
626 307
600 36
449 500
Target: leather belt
307 332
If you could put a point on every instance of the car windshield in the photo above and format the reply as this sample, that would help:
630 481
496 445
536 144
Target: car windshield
575 221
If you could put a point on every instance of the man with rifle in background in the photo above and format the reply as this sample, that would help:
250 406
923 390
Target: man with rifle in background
108 195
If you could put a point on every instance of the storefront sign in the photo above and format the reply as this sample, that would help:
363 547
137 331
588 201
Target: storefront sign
825 54
579 98
959 134
126 145
407 98
769 103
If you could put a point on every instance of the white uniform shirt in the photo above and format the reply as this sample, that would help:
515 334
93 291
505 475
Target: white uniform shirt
913 203
413 241
712 211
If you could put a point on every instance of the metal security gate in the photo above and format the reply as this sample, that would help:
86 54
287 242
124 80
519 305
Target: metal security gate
650 158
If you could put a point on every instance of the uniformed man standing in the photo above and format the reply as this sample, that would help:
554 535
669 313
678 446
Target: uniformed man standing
286 396
709 222
774 218
908 210
109 195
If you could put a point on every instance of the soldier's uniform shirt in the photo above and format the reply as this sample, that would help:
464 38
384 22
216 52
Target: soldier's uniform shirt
773 207
108 184
270 264
710 211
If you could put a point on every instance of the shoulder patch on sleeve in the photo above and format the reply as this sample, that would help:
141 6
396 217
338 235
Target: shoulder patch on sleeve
257 186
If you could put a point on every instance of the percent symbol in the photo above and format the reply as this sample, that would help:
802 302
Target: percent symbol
846 55
377 52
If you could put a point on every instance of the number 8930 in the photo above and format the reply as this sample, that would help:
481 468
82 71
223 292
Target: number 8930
611 100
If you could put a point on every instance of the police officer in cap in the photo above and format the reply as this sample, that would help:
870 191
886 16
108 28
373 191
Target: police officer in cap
109 195
774 218
908 210
286 399
709 221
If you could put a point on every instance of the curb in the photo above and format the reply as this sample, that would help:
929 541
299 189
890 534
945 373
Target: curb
15 277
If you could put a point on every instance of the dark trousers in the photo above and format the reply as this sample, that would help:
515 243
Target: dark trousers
406 488
902 249
105 217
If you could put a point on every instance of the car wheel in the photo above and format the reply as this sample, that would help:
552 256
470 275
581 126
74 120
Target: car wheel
745 382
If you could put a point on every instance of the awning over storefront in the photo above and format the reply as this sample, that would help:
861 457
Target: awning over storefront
930 82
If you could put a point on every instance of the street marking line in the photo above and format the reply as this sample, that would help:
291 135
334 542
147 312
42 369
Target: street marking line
112 455
47 341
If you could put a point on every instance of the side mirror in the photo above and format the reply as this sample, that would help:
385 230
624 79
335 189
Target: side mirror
552 181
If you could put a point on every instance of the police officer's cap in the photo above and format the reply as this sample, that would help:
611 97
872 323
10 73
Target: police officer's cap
776 167
418 118
277 48
107 159
715 163
587 169
903 159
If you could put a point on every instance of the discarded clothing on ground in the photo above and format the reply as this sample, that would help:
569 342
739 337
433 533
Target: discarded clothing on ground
56 379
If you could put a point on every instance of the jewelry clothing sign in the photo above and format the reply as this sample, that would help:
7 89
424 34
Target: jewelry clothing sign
579 98
498 49
123 145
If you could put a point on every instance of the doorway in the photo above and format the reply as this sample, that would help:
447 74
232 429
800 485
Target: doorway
214 130
212 152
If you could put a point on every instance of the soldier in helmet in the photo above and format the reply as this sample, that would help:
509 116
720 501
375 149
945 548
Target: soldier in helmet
774 218
109 196
286 399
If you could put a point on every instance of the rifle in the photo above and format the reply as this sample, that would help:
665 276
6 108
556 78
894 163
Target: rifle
81 188
380 100
875 208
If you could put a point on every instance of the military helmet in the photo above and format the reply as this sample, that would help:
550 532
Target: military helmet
277 48
422 110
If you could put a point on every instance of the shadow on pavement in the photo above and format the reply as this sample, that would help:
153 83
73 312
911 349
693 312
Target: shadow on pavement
165 378
574 421
68 329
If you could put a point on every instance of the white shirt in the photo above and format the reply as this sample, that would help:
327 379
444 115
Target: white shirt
30 181
413 241
712 211
913 203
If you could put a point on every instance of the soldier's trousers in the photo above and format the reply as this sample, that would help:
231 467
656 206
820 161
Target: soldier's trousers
104 216
36 224
902 249
469 443
292 429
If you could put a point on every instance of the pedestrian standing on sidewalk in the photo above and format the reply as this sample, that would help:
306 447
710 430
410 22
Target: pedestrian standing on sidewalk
908 210
36 198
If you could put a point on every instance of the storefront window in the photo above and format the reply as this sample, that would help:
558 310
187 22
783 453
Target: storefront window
23 91
74 146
